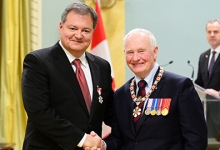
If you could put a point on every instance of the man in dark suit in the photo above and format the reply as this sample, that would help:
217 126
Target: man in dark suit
58 114
168 115
209 78
205 78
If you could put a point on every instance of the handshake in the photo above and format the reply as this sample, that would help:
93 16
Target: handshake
93 142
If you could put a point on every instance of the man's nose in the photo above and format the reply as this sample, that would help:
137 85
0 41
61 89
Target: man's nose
136 56
78 34
212 33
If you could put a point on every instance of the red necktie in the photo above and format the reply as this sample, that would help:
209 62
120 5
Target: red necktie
82 82
141 92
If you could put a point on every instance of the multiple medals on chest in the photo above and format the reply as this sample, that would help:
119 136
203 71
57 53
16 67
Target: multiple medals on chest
138 100
157 106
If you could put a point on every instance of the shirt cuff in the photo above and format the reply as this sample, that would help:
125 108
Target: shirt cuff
80 144
105 146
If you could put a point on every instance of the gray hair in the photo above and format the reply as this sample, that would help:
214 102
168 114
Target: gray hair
212 21
81 9
153 41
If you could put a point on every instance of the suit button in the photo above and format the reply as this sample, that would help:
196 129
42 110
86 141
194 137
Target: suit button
136 141
90 126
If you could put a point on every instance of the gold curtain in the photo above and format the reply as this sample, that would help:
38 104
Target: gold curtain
14 45
114 24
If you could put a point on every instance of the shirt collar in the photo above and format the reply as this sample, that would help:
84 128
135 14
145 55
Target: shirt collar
150 77
71 58
217 50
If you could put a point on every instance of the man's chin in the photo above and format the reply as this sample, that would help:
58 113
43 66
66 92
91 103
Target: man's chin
78 48
138 72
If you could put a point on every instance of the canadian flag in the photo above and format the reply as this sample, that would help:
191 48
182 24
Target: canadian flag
100 48
99 45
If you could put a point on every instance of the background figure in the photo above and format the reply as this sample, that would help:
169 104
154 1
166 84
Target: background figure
169 115
60 114
208 75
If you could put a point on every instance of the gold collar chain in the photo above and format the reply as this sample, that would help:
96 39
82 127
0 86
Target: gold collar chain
153 87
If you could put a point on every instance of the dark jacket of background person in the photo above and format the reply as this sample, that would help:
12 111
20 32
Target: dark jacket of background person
202 78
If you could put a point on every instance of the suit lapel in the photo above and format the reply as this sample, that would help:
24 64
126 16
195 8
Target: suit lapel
95 73
207 55
63 64
206 63
130 105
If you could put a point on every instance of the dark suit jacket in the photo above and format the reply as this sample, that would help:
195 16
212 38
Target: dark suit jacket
53 100
213 107
202 77
184 128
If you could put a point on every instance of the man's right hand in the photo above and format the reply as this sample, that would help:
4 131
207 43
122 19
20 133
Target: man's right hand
97 140
92 140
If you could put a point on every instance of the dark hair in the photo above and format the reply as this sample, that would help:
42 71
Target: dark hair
81 9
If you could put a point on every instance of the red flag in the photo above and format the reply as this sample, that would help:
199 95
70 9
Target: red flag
100 48
99 45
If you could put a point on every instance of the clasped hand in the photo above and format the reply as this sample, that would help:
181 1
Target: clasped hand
93 142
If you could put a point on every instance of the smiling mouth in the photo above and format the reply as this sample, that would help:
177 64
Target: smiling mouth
138 64
76 41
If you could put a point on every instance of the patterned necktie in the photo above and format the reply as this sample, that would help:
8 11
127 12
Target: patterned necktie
141 92
212 62
82 82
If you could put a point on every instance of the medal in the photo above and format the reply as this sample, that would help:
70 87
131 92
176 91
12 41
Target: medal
136 112
143 99
164 112
149 104
153 112
166 106
153 109
100 99
147 111
158 112
99 90
160 101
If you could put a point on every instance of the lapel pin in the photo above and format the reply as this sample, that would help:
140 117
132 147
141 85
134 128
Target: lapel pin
99 90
